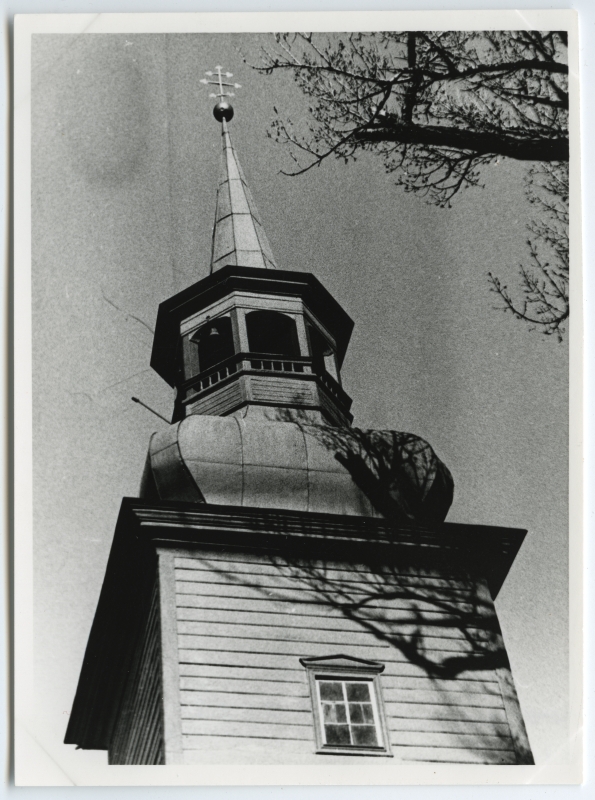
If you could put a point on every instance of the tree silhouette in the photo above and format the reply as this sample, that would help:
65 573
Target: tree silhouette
437 107
398 472
543 301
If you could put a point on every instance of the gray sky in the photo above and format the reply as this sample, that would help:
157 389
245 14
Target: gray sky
125 166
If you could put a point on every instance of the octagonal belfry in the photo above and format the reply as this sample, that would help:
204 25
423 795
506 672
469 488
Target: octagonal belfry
254 337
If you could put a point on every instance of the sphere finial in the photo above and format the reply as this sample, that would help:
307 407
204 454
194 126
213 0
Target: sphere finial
223 110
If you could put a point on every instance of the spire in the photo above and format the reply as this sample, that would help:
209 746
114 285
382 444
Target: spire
238 234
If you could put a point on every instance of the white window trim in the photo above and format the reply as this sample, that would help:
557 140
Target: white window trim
346 668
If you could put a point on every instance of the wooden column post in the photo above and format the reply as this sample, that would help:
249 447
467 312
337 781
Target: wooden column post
170 669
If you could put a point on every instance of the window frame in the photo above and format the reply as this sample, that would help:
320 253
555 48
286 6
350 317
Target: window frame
344 669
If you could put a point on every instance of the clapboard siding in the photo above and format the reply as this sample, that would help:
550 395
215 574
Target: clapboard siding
280 390
274 749
285 645
244 685
210 666
227 700
312 608
243 672
472 729
461 685
244 620
249 562
341 579
274 717
257 745
219 401
431 739
338 622
267 659
404 695
410 588
450 712
315 582
459 755
303 597
475 728
298 702
309 606
305 633
309 590
278 683
138 734
218 727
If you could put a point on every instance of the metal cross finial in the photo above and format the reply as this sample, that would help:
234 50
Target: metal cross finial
219 75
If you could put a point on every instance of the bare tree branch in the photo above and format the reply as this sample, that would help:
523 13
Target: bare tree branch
543 290
437 107
427 97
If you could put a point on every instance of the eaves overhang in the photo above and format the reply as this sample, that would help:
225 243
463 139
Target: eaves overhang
145 528
248 279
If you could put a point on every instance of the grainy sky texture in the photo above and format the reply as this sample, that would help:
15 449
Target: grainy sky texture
125 165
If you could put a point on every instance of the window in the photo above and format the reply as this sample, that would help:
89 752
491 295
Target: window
347 712
347 704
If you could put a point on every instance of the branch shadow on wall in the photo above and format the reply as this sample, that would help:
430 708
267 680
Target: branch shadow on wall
435 612
446 628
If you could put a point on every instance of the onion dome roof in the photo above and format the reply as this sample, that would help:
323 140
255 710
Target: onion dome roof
297 466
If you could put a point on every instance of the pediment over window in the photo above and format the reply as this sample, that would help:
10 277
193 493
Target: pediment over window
342 662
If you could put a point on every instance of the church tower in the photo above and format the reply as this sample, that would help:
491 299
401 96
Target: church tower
285 590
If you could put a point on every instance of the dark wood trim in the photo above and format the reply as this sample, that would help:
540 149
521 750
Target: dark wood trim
231 278
488 549
118 624
510 700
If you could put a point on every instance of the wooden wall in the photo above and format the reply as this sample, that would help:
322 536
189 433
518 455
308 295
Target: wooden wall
266 389
243 621
138 733
219 401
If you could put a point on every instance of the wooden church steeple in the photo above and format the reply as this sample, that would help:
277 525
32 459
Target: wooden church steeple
286 590
251 335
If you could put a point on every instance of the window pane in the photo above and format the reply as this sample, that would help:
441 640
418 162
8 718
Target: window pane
337 734
334 712
330 691
356 713
347 711
358 691
364 735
